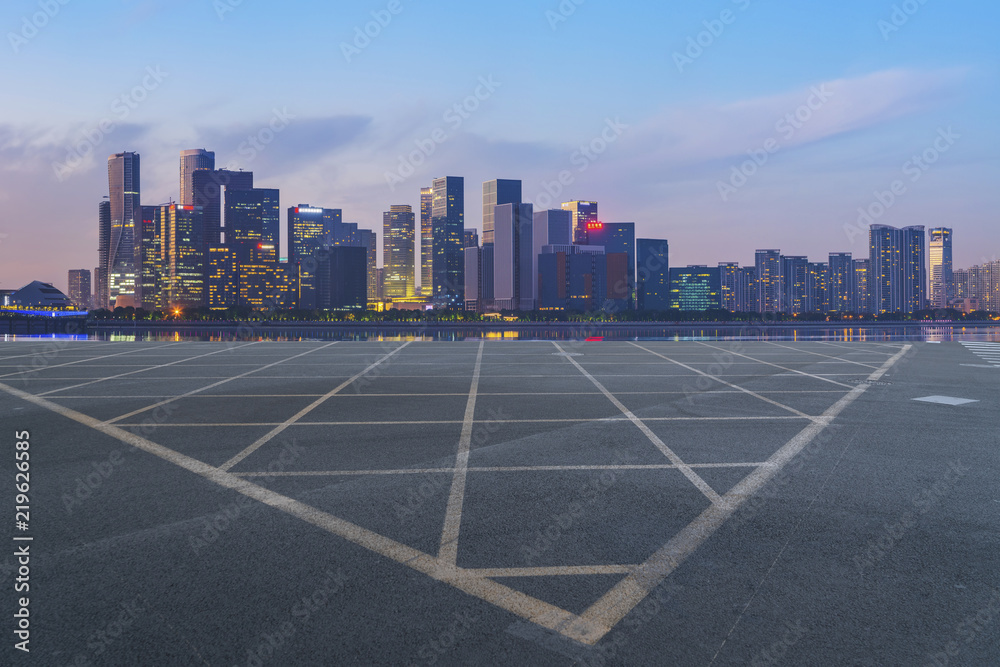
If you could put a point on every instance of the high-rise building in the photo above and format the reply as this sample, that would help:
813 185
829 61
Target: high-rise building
496 193
448 232
552 227
369 241
79 288
768 270
222 278
695 288
746 290
102 294
150 256
572 277
941 269
584 214
126 218
426 243
208 187
310 229
473 279
183 269
471 239
616 237
729 280
653 274
817 295
514 284
960 284
794 281
343 279
252 219
861 302
840 283
398 228
913 262
191 161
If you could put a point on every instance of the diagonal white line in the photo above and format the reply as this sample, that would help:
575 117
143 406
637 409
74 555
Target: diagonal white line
304 411
784 368
453 516
211 386
142 370
623 598
728 384
827 356
694 477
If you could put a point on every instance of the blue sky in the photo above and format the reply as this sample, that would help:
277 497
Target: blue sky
558 81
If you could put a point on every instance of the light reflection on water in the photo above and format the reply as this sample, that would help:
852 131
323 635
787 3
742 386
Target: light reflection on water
544 332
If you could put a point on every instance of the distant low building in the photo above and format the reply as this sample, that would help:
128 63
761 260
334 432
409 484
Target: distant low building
40 295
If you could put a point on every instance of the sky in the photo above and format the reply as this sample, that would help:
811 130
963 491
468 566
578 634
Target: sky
723 126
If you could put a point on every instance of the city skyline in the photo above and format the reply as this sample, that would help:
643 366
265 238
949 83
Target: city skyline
670 132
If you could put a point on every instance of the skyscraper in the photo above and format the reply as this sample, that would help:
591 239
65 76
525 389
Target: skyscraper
126 217
183 279
309 230
616 237
840 283
426 243
913 263
471 239
768 270
79 287
150 257
369 241
941 269
397 252
817 296
886 274
497 193
102 294
448 232
552 227
695 288
653 274
208 187
192 161
794 285
514 285
584 213
729 279
861 302
252 220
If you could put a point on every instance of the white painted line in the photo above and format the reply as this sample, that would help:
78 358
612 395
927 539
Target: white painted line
560 571
981 366
718 379
72 363
453 516
695 479
495 469
141 370
946 400
306 410
784 368
211 386
827 356
481 421
623 598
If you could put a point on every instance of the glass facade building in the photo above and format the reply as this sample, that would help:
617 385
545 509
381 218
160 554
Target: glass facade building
496 193
448 232
398 229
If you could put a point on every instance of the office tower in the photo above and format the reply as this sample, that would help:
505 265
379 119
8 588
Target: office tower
616 237
794 274
183 256
959 288
941 269
488 273
584 213
343 278
913 263
126 217
369 241
653 274
729 280
514 285
426 243
150 258
471 239
448 232
746 290
378 284
552 227
191 161
222 277
572 277
309 229
886 274
266 285
497 193
102 298
695 288
768 269
208 187
840 283
862 298
79 288
252 220
473 278
397 252
816 300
